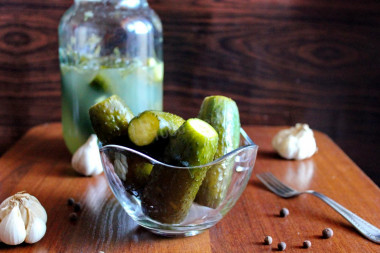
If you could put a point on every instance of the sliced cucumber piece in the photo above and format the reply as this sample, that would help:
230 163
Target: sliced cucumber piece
152 126
101 83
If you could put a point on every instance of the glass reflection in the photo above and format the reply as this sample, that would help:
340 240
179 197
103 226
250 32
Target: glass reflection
300 173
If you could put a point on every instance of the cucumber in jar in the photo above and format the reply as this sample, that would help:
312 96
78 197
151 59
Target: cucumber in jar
170 192
222 113
101 83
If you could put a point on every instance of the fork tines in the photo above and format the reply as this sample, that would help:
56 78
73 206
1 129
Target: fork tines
276 186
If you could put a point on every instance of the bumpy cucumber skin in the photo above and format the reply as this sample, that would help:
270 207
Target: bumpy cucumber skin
187 147
170 192
110 118
223 114
169 123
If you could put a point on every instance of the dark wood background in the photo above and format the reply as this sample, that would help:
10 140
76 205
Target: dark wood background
284 62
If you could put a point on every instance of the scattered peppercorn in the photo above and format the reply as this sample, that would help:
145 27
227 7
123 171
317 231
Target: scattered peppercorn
73 216
284 212
307 244
281 246
327 233
77 207
70 201
268 240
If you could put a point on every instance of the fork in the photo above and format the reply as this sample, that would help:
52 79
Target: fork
369 231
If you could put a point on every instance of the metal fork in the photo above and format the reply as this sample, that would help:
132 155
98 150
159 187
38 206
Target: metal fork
366 229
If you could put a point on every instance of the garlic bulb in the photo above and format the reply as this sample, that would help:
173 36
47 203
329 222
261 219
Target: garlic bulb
86 160
22 218
297 142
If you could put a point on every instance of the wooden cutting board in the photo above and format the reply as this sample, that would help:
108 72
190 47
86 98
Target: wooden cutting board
40 164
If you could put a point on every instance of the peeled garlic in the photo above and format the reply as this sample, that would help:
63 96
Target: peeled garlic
297 142
22 218
86 160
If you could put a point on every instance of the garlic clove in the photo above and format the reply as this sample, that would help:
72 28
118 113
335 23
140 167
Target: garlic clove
24 214
4 211
86 160
35 230
5 202
5 208
35 207
12 227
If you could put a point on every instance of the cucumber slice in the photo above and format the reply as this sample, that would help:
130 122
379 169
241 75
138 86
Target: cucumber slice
169 192
101 83
110 119
223 114
151 126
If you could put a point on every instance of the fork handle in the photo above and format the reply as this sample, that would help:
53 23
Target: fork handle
368 230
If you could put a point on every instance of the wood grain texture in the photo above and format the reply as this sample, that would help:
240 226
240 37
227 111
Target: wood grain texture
284 62
40 164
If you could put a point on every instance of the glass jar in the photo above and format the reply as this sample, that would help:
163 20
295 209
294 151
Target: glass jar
108 47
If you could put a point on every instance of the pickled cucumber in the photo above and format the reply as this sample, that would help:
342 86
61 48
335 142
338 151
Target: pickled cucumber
222 113
169 193
101 83
109 119
132 170
151 126
138 176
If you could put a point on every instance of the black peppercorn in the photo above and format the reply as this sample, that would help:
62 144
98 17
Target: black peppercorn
73 216
281 246
77 207
327 233
307 244
268 240
284 212
70 201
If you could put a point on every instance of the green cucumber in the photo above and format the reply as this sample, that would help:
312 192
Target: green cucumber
138 173
132 170
151 126
101 83
169 193
110 119
140 170
222 113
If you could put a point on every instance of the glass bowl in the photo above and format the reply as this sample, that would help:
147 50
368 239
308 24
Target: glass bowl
164 207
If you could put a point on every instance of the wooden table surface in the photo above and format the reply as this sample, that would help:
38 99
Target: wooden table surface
282 61
40 164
